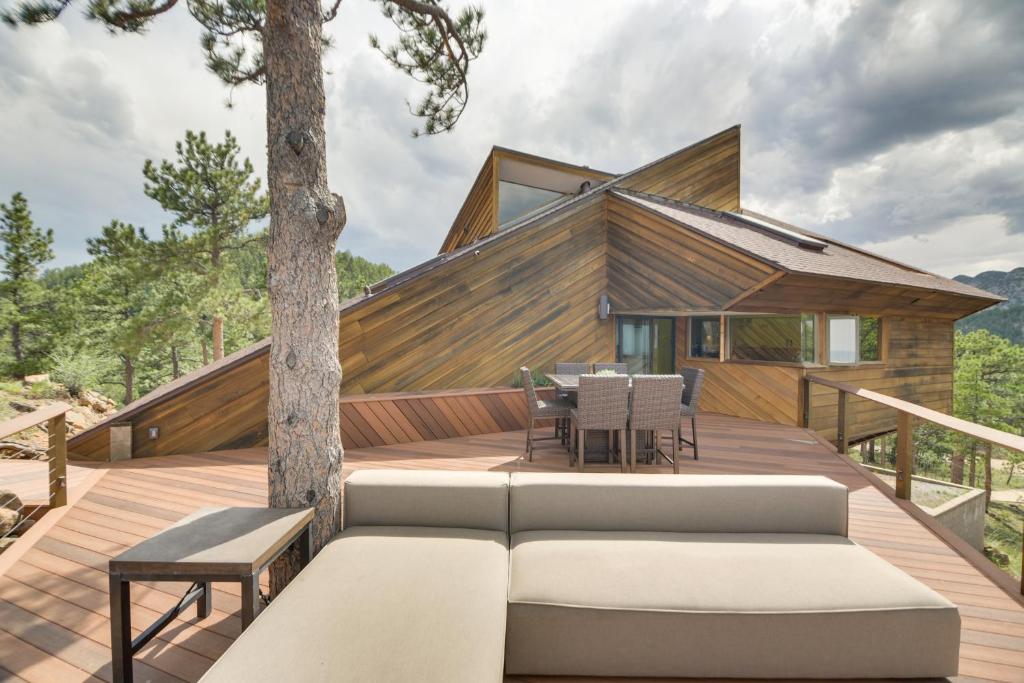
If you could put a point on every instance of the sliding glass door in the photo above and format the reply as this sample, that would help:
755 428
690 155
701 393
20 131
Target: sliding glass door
646 345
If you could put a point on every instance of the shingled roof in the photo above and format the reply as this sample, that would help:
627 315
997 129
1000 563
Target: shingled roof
835 260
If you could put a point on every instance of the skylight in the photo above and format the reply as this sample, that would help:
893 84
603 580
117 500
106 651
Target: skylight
797 238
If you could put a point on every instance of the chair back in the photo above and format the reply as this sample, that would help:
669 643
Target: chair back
655 402
529 389
693 383
603 402
572 368
620 368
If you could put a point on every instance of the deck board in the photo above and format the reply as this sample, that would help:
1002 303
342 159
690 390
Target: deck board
53 600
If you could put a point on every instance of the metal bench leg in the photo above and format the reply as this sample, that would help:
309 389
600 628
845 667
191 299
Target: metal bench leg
204 606
250 599
120 629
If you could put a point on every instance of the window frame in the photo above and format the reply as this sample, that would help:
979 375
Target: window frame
802 316
689 337
858 360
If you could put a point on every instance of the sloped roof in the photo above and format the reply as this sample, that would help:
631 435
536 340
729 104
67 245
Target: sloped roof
835 260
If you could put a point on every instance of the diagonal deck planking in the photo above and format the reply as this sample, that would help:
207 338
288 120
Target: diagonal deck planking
53 600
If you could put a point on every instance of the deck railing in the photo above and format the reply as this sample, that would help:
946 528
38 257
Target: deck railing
907 413
52 418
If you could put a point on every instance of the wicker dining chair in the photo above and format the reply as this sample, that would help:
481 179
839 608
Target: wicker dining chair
538 409
562 426
693 380
619 368
654 408
602 405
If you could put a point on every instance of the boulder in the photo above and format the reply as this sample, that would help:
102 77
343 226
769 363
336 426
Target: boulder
8 520
33 379
9 500
22 407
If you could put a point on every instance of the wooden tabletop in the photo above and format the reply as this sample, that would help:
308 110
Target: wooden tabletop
216 541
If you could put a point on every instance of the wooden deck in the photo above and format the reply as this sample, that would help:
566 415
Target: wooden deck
53 600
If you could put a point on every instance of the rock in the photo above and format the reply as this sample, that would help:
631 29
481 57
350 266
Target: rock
32 379
8 520
9 500
22 407
76 419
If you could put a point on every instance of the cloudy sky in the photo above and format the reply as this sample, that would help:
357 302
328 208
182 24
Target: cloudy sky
894 125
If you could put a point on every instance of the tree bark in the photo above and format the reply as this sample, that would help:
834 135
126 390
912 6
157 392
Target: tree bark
206 351
175 363
218 337
129 379
956 467
305 453
973 469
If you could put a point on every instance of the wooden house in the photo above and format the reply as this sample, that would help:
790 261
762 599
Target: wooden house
660 267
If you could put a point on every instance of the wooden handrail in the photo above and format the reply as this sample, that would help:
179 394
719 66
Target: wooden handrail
57 447
977 431
906 413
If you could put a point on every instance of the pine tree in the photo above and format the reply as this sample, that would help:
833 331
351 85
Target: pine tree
25 248
280 43
214 198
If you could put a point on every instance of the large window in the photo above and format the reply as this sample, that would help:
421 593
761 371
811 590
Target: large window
515 200
854 339
705 337
772 338
646 345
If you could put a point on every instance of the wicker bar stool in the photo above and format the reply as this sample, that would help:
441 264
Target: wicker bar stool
694 382
602 405
655 408
562 426
619 368
540 410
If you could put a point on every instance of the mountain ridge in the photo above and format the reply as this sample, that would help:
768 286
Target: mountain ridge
1005 319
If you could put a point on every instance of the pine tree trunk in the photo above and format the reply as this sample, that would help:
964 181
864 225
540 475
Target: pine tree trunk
305 453
956 467
869 456
175 363
973 477
19 356
206 351
218 337
129 379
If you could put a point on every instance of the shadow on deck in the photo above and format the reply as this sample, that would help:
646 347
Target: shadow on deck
54 607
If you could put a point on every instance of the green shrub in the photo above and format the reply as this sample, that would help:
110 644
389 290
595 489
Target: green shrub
42 389
11 386
76 370
539 380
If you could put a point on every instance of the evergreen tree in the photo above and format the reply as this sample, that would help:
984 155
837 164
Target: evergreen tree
25 249
214 198
116 296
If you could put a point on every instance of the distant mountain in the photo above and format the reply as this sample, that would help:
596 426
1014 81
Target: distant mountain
1006 319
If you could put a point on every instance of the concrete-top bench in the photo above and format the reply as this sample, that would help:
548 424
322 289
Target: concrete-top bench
443 576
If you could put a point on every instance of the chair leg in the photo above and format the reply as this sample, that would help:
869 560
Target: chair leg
675 450
632 450
581 440
623 460
693 428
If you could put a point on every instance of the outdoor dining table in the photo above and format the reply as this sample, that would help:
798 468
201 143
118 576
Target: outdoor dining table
597 441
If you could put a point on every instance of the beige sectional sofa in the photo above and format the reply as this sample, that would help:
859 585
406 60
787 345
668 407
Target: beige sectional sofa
450 576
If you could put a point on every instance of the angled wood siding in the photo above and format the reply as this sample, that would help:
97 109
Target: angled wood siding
530 299
655 265
472 323
707 173
919 370
479 213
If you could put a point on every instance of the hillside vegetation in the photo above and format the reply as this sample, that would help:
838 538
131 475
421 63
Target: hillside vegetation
1006 319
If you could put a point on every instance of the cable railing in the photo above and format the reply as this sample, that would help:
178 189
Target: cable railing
55 454
906 415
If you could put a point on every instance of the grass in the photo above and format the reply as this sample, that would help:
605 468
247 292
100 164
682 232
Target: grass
1003 525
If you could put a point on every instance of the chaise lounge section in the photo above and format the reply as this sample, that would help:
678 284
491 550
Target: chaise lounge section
450 576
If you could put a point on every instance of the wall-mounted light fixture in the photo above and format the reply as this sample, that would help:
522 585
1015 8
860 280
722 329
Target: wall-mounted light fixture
604 307
154 433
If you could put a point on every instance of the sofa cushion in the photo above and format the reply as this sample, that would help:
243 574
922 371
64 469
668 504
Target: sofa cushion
680 503
383 604
467 500
719 605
